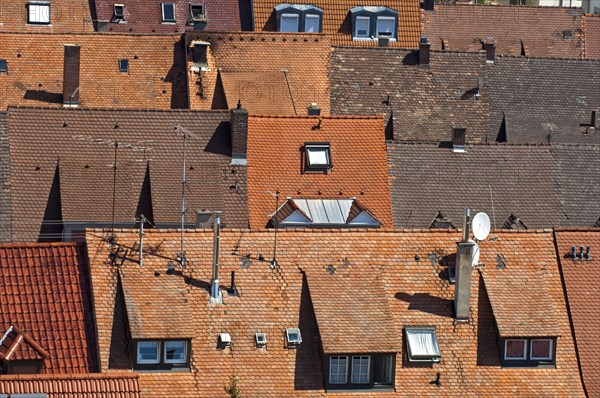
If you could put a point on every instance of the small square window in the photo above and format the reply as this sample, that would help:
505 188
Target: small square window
168 12
289 22
148 352
224 340
386 26
362 28
312 23
318 156
541 350
361 366
175 352
3 66
515 349
261 339
118 11
196 12
422 344
338 370
293 336
39 13
123 65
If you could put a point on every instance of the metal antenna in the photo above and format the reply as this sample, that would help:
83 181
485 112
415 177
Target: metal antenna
114 196
142 220
274 219
493 209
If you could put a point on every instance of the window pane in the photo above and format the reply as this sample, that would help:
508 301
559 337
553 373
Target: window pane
148 351
422 343
383 369
515 349
311 23
360 370
386 26
39 13
168 12
175 351
289 23
362 26
338 368
317 157
541 349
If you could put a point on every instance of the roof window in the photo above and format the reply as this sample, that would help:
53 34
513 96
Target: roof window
261 339
293 337
318 156
3 66
197 12
298 18
124 65
118 12
224 340
39 13
168 12
370 23
148 352
175 351
528 352
422 344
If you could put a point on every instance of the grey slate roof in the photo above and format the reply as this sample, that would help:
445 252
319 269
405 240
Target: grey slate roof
426 101
61 166
545 186
541 96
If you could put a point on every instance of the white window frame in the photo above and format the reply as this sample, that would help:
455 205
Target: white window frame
288 15
162 8
523 358
551 352
318 148
185 350
362 18
338 357
316 17
294 331
148 361
360 358
119 17
386 18
39 7
414 331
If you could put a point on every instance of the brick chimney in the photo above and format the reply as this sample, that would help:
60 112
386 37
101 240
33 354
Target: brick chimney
239 134
71 76
490 50
424 46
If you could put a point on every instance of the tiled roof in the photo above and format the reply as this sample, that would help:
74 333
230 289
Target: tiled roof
425 102
536 31
66 16
156 77
582 284
535 101
295 75
145 16
16 344
5 224
411 268
592 32
45 295
68 156
359 170
113 385
338 24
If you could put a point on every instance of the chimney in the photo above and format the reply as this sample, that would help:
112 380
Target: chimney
239 135
314 110
424 46
71 76
383 41
464 267
459 139
593 121
490 50
215 294
203 218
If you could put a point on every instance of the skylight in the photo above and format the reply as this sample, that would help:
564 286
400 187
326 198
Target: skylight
3 66
123 65
318 156
168 12
293 337
261 339
422 344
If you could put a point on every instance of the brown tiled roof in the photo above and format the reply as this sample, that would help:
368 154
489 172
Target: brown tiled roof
536 31
592 32
91 385
66 16
145 16
271 73
68 156
18 345
411 265
582 283
338 24
156 77
424 102
45 296
359 170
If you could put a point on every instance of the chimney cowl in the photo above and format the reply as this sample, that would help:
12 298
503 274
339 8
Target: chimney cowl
424 50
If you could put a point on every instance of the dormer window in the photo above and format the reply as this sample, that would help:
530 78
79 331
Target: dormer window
168 12
369 23
118 12
528 352
197 12
148 352
318 156
161 355
360 371
422 344
39 13
298 18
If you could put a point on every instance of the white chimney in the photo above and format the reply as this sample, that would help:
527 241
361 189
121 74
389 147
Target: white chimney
465 251
215 294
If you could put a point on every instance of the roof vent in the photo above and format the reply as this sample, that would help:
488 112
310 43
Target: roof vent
587 256
313 109
567 34
203 219
459 139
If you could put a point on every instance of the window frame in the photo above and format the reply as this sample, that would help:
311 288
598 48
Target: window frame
40 4
162 9
355 385
297 342
202 14
288 15
308 16
124 65
394 20
3 66
308 165
176 361
360 357
551 351
162 364
141 361
356 36
522 358
118 17
528 360
345 369
417 358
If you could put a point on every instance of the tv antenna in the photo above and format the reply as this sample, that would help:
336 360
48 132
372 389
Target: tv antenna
142 220
274 221
186 134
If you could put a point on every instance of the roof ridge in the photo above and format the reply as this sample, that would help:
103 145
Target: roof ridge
105 34
41 244
385 230
577 229
334 117
480 53
67 376
548 58
510 6
107 109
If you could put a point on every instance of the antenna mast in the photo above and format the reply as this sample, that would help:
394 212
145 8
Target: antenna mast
274 261
114 196
186 134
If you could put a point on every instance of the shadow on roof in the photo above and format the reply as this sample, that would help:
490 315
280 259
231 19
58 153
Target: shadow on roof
425 302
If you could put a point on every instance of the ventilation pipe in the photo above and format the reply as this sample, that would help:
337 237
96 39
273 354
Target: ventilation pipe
465 251
215 294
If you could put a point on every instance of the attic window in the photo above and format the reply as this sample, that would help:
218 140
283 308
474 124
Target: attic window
261 339
515 349
197 12
298 18
3 66
289 23
422 344
361 371
528 352
168 12
124 65
199 53
362 27
369 23
312 23
293 337
118 12
162 355
175 351
386 26
318 156
39 13
148 352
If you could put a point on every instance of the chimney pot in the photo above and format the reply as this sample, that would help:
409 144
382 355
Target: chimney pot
580 254
490 50
588 256
573 253
424 48
71 76
593 121
239 134
314 110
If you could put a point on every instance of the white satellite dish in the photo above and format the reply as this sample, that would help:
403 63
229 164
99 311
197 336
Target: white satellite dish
481 226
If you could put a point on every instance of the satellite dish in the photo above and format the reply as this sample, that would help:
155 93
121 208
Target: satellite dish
481 226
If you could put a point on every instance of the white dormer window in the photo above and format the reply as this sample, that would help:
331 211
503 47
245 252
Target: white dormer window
148 352
298 18
422 344
289 23
370 23
338 370
361 369
312 23
386 26
39 13
168 12
260 339
362 27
